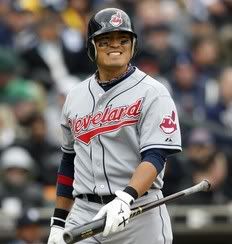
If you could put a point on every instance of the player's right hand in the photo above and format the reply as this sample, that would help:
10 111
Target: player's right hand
56 235
117 213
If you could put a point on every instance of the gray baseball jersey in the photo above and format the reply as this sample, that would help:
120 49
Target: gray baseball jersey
108 130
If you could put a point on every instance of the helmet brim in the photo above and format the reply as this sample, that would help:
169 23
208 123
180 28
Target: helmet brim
108 30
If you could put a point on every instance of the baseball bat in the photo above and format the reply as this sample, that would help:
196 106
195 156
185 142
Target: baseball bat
97 226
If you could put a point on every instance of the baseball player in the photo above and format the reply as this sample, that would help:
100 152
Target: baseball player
118 127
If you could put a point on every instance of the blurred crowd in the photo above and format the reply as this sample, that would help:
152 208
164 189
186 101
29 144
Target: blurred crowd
185 44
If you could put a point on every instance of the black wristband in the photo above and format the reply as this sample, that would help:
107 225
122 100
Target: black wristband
59 217
131 191
60 213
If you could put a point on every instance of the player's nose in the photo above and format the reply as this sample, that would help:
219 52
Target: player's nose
114 42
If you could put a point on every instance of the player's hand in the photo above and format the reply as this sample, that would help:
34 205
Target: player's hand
117 213
56 235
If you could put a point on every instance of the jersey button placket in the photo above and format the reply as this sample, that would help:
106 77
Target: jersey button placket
100 100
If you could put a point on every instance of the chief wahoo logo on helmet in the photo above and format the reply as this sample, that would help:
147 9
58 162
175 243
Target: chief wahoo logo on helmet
116 19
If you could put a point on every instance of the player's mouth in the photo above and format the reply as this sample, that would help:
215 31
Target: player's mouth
114 53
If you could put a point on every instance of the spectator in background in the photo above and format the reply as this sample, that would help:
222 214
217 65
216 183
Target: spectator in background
217 11
7 126
40 148
6 35
156 42
49 58
220 113
199 28
204 161
147 62
28 229
19 22
188 89
174 174
18 191
147 12
24 96
75 15
53 110
226 44
47 31
206 56
9 63
127 5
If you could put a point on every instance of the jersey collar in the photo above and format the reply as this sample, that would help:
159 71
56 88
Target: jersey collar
115 81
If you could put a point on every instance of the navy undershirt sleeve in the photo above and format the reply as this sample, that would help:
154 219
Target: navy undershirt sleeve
156 156
65 175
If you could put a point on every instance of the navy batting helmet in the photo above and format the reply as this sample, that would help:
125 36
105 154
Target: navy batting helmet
105 21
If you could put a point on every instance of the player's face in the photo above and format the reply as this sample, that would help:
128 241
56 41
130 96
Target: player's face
113 49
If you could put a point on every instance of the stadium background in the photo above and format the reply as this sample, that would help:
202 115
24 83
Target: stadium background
185 44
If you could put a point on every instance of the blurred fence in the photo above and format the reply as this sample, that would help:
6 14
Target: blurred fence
191 224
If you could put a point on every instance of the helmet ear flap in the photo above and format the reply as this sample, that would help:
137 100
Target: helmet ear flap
92 50
134 48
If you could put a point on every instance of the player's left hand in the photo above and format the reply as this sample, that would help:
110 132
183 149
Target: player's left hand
56 235
117 213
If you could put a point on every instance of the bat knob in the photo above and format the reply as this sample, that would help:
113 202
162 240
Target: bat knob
67 237
207 185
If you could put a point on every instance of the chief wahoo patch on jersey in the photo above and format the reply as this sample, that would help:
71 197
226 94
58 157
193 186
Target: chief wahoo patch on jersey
168 124
116 19
108 120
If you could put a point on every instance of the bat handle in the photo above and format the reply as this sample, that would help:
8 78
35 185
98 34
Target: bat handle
84 231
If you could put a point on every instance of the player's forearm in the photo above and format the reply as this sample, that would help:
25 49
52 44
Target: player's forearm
143 177
64 199
64 203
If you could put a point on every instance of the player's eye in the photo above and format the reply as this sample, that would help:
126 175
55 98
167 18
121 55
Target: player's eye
125 41
103 42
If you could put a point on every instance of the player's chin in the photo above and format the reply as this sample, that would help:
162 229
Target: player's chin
116 64
119 62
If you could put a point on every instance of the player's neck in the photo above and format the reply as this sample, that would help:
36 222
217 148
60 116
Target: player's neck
108 74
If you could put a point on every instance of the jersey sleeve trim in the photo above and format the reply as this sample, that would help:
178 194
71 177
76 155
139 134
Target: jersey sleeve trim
175 148
65 191
64 180
65 176
67 150
155 156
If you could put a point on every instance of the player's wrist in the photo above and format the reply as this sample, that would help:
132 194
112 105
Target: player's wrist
59 217
131 191
125 197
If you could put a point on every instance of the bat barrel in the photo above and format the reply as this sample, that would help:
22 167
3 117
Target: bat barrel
202 186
